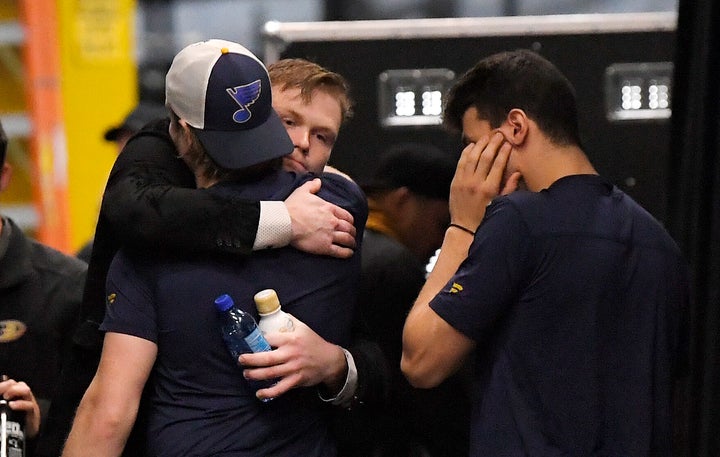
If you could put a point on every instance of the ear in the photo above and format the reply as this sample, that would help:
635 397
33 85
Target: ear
5 174
518 122
399 197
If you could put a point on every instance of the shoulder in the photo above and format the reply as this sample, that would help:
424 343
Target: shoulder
158 129
52 261
647 230
151 155
59 273
379 249
343 192
340 188
149 144
518 206
384 256
135 262
156 134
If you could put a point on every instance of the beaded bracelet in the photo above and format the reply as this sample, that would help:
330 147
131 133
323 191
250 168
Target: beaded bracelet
464 229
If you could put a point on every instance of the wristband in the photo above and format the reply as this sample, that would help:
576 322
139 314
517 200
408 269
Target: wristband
464 229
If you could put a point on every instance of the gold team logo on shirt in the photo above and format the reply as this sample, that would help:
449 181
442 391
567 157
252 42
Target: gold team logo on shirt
11 330
111 299
456 288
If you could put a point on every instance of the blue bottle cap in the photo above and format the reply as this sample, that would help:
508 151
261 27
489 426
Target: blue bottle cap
224 302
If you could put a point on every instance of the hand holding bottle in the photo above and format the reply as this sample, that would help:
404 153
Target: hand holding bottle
301 358
272 317
241 334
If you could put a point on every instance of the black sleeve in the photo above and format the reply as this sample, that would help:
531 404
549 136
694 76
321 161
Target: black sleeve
374 375
151 198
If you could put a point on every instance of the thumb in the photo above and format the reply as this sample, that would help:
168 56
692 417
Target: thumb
512 183
313 186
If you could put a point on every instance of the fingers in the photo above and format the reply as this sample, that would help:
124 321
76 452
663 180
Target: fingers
12 389
340 252
313 186
262 374
278 389
478 157
488 154
345 226
344 215
344 235
22 405
258 359
512 183
21 398
498 162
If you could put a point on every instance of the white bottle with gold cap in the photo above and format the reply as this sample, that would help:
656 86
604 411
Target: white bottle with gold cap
272 318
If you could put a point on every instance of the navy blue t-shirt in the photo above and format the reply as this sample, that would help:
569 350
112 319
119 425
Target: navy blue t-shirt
573 296
200 404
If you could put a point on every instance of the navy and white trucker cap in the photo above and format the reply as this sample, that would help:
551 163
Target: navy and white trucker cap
222 90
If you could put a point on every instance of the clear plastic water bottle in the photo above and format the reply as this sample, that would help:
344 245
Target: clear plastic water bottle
241 334
12 431
272 317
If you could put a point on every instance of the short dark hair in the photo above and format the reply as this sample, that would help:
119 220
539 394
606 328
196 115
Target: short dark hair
3 145
424 169
516 79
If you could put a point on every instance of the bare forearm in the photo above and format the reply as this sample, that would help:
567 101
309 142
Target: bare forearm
421 363
97 430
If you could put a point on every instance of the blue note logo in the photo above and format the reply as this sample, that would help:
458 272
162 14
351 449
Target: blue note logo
244 96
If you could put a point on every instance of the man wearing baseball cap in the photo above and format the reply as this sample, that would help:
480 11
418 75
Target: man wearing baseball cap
160 317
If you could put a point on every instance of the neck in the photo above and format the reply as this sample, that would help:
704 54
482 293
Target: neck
555 162
378 221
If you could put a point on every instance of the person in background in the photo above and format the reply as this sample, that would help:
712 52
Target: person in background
226 131
40 295
569 293
408 202
144 113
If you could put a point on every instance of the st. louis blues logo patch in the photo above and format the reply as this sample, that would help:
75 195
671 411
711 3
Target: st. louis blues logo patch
244 96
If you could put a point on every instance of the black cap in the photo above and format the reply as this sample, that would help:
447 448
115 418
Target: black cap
424 169
143 113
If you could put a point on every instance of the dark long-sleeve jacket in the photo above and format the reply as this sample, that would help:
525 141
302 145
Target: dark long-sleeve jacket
40 294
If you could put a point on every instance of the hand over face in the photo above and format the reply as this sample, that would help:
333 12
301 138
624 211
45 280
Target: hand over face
480 173
301 358
319 227
21 398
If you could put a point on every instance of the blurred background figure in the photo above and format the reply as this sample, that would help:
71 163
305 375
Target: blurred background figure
141 115
40 292
408 215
